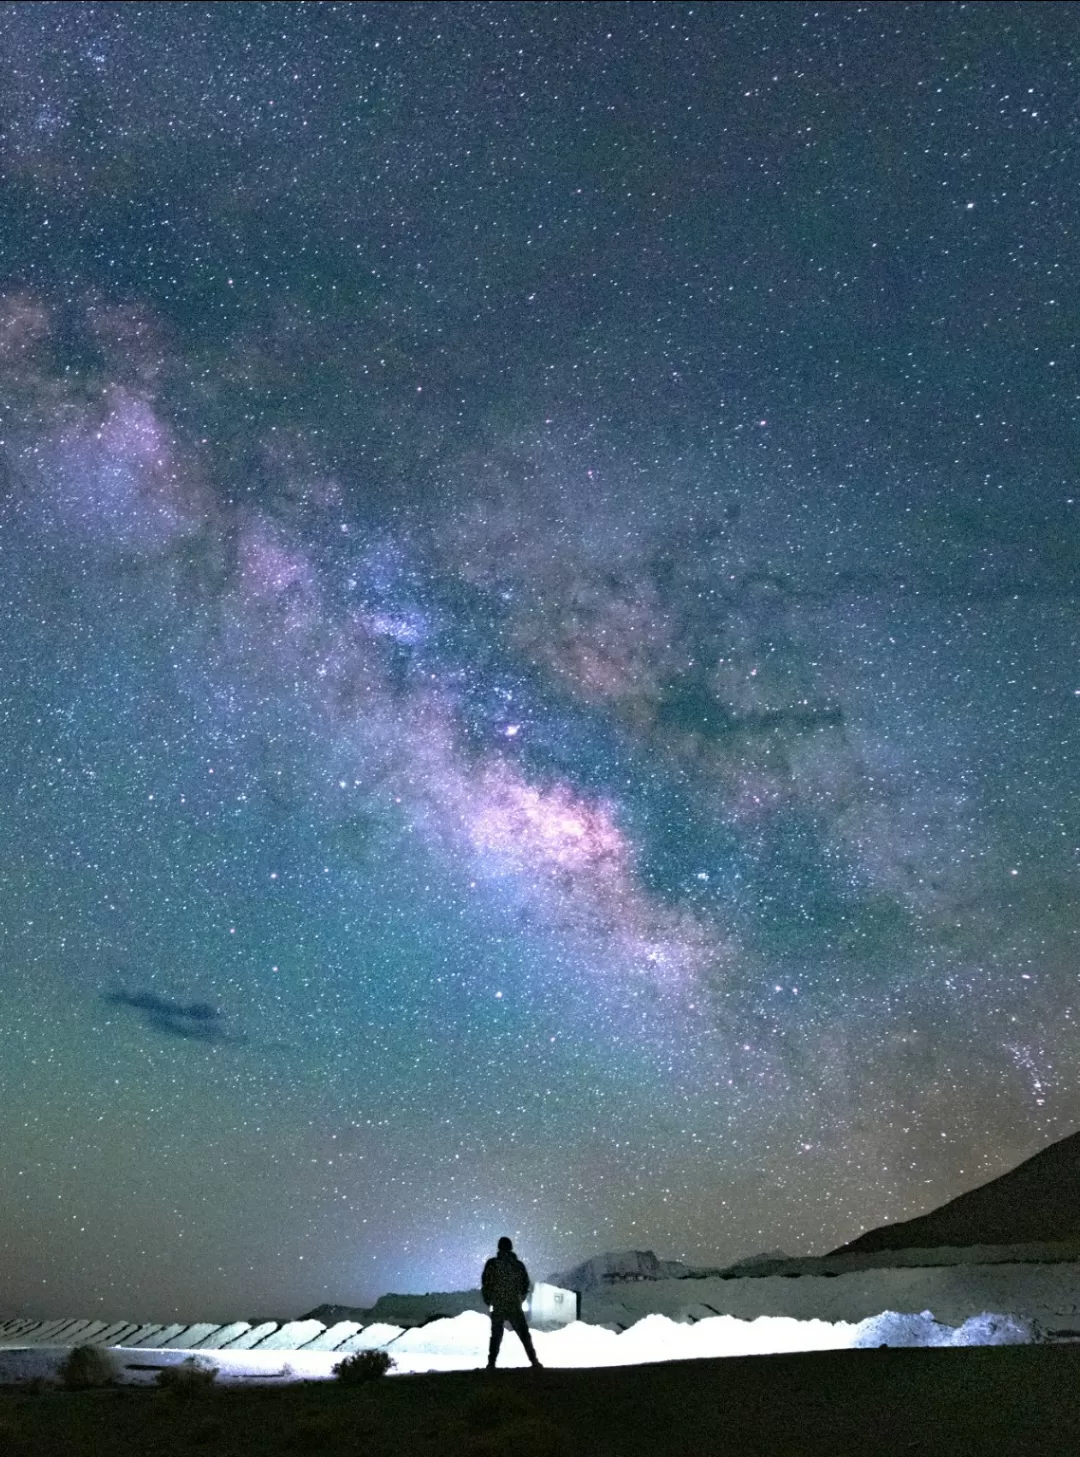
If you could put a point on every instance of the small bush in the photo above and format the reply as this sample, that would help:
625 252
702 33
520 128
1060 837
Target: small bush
190 1378
362 1367
85 1366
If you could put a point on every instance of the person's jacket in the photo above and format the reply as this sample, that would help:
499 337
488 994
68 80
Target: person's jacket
505 1281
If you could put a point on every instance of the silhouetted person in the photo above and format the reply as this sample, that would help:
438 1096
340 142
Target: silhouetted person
504 1285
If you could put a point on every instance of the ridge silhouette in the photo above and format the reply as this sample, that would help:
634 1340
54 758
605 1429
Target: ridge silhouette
1038 1202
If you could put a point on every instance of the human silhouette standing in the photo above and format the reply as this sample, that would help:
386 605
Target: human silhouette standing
504 1285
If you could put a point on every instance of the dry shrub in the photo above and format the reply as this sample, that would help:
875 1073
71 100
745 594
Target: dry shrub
191 1378
85 1366
362 1367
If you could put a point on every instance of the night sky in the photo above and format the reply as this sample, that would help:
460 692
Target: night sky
539 687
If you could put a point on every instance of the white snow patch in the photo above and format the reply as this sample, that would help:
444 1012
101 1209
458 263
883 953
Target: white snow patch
892 1329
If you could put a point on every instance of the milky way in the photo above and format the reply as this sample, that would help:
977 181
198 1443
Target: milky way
538 641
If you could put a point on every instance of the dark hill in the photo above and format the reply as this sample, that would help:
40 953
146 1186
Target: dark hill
1037 1202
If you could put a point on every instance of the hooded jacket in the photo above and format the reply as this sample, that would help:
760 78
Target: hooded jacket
505 1281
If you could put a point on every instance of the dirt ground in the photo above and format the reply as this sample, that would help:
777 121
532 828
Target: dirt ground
840 1403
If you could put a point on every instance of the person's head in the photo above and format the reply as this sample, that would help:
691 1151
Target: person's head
505 1245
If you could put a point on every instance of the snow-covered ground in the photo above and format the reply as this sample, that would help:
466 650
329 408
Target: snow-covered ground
460 1344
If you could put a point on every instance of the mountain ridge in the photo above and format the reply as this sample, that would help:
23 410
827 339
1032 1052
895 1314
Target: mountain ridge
1037 1202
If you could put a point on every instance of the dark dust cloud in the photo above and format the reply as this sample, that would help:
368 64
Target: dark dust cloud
538 634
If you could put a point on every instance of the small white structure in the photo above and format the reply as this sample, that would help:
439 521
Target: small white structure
550 1305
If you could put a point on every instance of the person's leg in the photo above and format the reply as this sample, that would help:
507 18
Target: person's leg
518 1321
496 1337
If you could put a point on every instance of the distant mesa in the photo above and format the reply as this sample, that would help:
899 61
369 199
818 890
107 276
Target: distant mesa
757 1264
617 1268
626 1267
410 1310
331 1314
1038 1202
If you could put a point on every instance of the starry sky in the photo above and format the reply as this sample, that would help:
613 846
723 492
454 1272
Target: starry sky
538 634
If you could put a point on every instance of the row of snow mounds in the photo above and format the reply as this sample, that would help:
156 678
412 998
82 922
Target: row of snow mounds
238 1335
340 1330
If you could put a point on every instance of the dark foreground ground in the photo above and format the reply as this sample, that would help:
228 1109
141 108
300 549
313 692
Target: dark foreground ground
863 1403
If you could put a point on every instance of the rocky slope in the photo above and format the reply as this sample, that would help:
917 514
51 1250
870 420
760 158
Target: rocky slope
1038 1202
